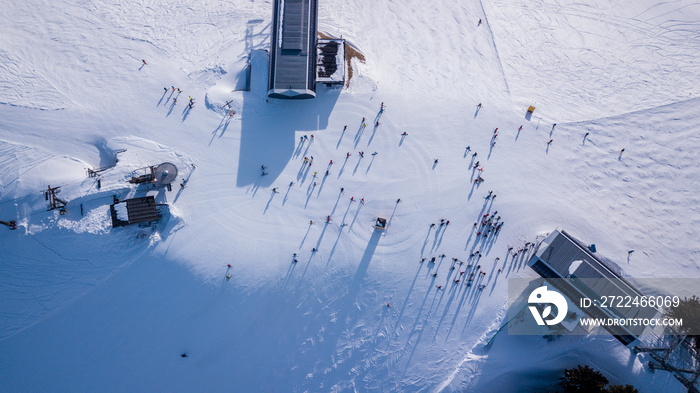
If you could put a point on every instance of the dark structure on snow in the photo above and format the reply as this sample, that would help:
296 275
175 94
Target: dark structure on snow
134 211
562 256
293 53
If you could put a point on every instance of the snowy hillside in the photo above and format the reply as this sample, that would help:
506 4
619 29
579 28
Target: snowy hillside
84 307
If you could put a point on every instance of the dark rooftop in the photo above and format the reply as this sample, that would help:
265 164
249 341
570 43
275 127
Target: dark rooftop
139 210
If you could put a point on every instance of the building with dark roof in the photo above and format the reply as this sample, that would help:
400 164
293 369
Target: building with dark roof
293 49
561 256
134 211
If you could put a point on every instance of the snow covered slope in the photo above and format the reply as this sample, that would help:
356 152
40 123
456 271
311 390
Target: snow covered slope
88 308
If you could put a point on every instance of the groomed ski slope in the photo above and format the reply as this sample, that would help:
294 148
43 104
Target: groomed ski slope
88 308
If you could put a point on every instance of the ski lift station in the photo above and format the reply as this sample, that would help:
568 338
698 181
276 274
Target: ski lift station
298 60
561 256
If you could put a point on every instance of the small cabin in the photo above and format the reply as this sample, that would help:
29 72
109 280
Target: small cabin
134 211
330 67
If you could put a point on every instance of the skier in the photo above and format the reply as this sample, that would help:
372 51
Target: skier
328 218
274 191
291 183
342 190
474 155
263 174
376 124
263 167
468 149
586 135
165 88
314 249
622 151
479 24
345 128
174 101
398 200
330 163
362 154
363 120
312 137
435 162
352 199
347 155
404 133
550 142
520 128
375 153
362 201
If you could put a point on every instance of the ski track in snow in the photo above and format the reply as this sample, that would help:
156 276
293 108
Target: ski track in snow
101 309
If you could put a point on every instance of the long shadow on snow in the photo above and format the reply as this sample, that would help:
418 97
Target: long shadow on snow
268 130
